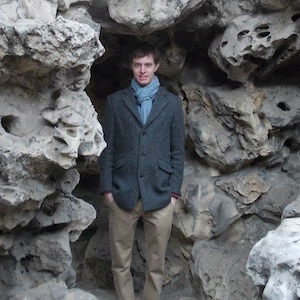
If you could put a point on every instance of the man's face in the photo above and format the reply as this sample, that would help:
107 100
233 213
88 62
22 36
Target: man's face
143 69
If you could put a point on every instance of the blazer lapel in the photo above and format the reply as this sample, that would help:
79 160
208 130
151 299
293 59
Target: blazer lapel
130 102
159 103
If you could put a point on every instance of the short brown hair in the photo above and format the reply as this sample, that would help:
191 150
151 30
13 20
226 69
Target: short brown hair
142 49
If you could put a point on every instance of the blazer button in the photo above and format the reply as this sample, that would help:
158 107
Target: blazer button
141 176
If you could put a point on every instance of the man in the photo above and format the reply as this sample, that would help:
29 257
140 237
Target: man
141 170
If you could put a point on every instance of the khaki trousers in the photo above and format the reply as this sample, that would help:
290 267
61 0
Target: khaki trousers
157 228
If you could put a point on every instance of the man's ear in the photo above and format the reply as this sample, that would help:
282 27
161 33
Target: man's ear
156 67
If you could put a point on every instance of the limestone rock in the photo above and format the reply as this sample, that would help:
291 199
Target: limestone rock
292 166
246 187
219 265
280 106
273 5
44 46
292 210
47 122
271 205
273 261
54 290
144 17
250 45
225 126
202 212
154 14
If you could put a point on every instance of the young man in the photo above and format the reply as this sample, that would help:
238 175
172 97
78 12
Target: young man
141 170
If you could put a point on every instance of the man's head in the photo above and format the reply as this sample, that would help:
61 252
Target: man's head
144 62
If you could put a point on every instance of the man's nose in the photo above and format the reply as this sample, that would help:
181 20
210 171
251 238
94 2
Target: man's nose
143 69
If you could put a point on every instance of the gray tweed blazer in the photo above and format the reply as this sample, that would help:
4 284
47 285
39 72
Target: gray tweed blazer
142 161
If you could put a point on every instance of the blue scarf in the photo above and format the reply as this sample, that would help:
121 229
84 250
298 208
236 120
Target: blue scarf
145 96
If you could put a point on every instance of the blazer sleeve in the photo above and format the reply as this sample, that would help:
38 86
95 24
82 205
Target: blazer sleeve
177 148
106 157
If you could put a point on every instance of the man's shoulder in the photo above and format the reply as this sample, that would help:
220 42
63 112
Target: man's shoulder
166 93
120 93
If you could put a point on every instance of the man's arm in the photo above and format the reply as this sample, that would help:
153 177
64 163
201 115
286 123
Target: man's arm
106 157
177 148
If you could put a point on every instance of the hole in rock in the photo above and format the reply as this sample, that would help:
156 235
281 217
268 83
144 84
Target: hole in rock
292 144
263 34
295 17
253 59
262 28
233 60
61 140
283 106
224 44
8 123
56 94
242 34
49 206
72 132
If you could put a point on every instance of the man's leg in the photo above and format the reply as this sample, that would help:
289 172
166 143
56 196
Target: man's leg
122 225
157 227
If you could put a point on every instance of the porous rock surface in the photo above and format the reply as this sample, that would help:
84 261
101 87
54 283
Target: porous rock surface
47 123
235 65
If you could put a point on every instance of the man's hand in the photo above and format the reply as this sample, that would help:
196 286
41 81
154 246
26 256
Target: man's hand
173 201
109 198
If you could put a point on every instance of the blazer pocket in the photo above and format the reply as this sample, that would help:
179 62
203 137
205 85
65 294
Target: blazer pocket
165 166
118 164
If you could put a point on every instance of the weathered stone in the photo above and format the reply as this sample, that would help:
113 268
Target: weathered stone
54 290
203 213
273 262
246 188
270 205
45 46
47 122
156 15
251 44
219 265
292 166
280 106
225 126
292 210
273 5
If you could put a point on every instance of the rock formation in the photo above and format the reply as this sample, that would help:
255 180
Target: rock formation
235 65
277 270
47 123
